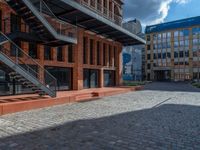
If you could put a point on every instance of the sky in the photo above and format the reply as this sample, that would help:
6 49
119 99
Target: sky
151 12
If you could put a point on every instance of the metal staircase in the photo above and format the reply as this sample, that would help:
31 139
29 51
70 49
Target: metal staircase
39 17
40 80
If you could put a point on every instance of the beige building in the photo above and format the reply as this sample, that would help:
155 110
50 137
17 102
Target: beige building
173 50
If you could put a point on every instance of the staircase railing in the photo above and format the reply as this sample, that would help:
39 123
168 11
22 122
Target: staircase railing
22 59
61 27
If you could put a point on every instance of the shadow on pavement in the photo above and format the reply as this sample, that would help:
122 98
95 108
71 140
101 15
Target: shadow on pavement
164 127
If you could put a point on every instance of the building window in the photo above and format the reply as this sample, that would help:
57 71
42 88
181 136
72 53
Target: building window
181 54
85 41
148 47
98 53
91 51
175 54
176 34
90 78
70 54
148 56
164 55
148 66
33 50
59 54
64 77
186 53
148 38
15 49
47 53
168 55
195 31
154 56
15 23
159 55
109 78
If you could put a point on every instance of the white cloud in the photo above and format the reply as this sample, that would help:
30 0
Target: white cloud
149 11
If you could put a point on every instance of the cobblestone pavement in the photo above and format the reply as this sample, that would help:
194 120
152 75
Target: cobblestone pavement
165 116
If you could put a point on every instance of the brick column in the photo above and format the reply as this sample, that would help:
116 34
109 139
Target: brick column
65 54
101 78
107 55
54 54
78 58
119 80
112 57
101 53
40 49
101 71
95 51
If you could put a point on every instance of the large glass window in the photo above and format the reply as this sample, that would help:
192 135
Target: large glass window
90 78
63 75
109 78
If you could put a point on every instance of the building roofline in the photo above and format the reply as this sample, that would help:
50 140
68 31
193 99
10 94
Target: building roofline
190 22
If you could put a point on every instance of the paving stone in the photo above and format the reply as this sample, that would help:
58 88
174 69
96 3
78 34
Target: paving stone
163 116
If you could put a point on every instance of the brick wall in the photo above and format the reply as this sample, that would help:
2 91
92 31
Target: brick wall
77 64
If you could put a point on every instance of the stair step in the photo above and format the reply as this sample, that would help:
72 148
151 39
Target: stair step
22 80
85 96
12 74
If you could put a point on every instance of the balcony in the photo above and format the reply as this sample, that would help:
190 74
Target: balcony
102 11
95 19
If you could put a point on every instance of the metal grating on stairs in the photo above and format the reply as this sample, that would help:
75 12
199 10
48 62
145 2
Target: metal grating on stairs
40 80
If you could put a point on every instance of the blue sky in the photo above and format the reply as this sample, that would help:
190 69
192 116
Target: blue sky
189 9
151 12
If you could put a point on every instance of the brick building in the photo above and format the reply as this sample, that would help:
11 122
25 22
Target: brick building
61 45
172 50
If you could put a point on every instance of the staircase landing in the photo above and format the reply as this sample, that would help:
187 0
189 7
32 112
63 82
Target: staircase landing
17 103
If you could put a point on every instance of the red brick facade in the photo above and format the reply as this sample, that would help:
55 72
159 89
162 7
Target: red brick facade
114 62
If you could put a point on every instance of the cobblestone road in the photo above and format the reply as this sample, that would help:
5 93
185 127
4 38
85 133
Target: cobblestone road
165 116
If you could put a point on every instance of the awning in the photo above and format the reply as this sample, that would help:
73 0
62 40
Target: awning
75 13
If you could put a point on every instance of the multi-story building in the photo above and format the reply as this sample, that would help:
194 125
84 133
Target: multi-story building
61 45
132 55
132 62
172 50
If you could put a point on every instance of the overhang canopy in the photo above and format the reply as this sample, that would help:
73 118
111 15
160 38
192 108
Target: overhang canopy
75 13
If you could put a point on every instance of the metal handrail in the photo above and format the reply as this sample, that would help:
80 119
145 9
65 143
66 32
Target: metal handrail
106 12
58 24
17 60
